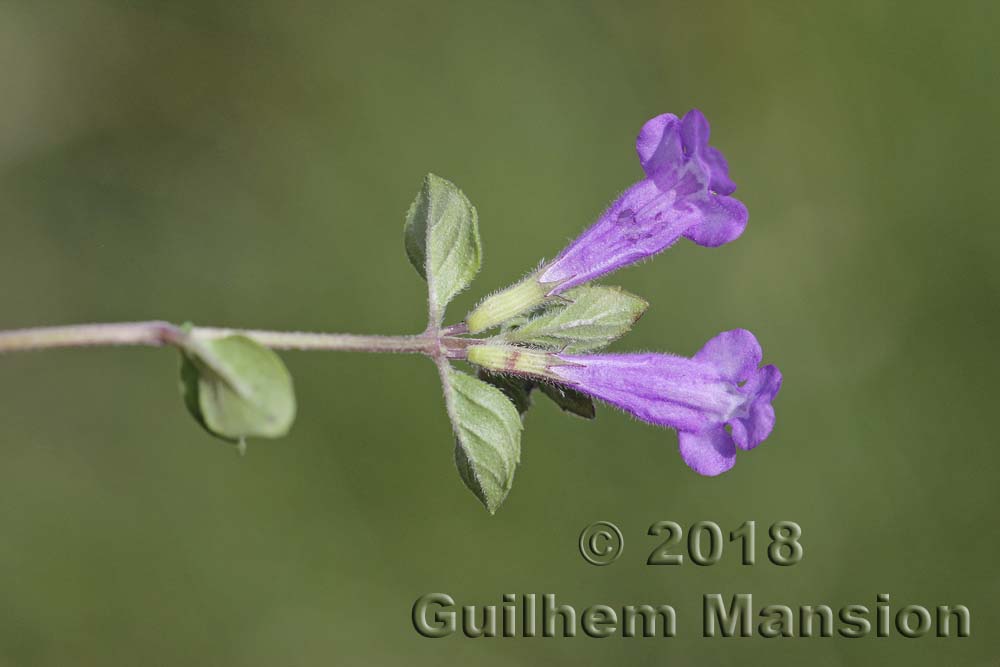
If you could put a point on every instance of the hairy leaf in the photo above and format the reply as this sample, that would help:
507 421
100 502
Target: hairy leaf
442 240
591 317
517 389
236 388
488 436
570 400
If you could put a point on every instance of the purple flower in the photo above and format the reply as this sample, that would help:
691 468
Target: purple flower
685 193
720 387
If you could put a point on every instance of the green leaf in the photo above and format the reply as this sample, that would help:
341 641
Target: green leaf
236 388
442 240
590 317
488 436
517 389
190 391
570 400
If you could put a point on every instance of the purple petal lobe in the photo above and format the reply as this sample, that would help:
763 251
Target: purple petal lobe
694 132
708 453
723 219
658 142
720 183
736 354
752 428
750 431
764 384
694 138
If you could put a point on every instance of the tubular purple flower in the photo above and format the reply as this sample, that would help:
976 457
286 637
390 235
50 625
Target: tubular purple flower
720 386
685 193
718 401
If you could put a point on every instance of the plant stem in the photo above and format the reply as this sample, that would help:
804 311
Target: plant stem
89 335
334 342
158 334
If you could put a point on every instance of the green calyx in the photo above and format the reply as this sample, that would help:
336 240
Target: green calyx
513 359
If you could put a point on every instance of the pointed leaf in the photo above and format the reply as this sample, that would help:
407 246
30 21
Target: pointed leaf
520 389
591 317
442 240
236 388
570 400
517 389
488 436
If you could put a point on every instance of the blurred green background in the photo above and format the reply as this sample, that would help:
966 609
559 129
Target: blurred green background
249 164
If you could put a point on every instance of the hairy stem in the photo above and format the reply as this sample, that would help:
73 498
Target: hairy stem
302 340
91 335
157 334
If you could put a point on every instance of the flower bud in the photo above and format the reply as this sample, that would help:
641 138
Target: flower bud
506 304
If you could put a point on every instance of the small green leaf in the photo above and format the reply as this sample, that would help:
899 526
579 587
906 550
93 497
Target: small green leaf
442 240
590 317
570 400
189 391
236 388
488 436
517 389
